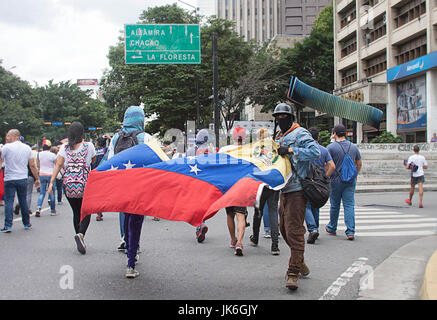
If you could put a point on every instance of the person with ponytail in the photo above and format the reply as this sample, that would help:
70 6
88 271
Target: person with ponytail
76 158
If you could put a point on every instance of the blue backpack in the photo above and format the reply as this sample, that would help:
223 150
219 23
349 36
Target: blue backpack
348 171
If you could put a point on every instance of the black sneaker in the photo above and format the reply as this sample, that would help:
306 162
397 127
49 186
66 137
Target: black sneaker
275 250
253 240
122 246
312 237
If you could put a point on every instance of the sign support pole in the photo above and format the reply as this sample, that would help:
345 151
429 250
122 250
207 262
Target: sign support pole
215 85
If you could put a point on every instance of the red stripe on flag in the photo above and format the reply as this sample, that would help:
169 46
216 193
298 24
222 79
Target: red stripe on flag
162 194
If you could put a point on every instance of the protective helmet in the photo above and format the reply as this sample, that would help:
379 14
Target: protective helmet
239 133
283 108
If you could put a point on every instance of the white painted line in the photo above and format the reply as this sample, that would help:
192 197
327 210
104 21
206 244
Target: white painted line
334 289
33 214
396 233
364 212
393 226
373 216
388 220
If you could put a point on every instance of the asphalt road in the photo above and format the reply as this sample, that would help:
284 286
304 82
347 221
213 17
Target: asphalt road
43 263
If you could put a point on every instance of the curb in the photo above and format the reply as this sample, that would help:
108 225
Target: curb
390 188
400 276
429 285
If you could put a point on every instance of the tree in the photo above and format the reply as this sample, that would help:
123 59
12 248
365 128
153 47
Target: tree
18 106
386 137
66 102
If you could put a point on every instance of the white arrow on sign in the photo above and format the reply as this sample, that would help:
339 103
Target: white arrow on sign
191 37
137 57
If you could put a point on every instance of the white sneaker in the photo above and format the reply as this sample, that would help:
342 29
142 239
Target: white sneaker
80 243
132 273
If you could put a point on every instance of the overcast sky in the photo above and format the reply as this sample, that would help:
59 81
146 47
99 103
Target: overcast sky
64 40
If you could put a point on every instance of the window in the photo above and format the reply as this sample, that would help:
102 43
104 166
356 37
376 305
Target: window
375 65
348 76
378 30
408 12
348 46
411 50
347 17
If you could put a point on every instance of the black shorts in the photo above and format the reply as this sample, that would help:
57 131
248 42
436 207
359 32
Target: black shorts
231 210
416 180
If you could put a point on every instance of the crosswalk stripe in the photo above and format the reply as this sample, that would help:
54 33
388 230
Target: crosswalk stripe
416 220
373 216
378 222
390 226
396 233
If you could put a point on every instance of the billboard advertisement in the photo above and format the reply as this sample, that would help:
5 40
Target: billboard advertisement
411 103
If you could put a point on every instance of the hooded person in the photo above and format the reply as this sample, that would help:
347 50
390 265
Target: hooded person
201 147
130 224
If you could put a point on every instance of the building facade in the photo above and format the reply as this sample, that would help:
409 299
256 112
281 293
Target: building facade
385 55
262 20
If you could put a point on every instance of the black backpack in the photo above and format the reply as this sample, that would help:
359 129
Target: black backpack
126 140
315 186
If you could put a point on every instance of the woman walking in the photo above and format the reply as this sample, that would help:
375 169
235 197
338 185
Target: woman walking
76 158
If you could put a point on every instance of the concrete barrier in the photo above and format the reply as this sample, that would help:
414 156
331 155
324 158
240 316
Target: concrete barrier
385 161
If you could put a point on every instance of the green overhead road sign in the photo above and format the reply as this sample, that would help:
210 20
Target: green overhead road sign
162 44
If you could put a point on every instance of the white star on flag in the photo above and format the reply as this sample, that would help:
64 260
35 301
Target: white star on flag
129 165
113 168
195 169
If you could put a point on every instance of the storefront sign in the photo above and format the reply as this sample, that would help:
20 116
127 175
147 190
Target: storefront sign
411 67
411 103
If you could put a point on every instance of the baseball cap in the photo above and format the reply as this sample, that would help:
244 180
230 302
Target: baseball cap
339 128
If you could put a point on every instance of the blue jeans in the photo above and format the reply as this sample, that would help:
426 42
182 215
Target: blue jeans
266 219
346 192
45 181
312 218
19 186
132 226
121 218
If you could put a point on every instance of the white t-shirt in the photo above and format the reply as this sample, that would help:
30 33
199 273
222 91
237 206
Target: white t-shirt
90 154
419 161
15 156
47 161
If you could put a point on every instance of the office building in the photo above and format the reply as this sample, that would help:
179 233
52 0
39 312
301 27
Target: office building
386 56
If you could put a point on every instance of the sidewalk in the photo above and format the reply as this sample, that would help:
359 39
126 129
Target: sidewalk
366 185
408 274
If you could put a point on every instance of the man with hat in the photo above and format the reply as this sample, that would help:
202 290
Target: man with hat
297 144
339 189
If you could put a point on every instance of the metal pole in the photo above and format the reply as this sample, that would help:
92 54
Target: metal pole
215 85
197 105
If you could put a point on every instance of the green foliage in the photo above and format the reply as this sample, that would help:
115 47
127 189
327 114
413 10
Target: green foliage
387 137
324 138
17 106
26 109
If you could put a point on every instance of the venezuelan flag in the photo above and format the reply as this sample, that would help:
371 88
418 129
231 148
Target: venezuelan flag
190 189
